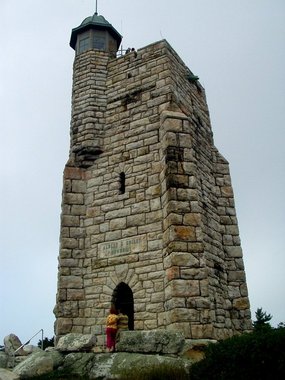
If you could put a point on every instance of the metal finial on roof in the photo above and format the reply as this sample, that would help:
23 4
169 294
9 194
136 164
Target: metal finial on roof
96 13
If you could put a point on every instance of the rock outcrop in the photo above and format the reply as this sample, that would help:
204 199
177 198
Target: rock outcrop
15 352
38 363
12 343
78 355
94 366
3 360
109 366
5 374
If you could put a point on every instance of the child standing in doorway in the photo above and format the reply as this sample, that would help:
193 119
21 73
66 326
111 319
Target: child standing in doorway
123 321
122 324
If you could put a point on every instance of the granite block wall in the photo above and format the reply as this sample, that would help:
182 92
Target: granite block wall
147 203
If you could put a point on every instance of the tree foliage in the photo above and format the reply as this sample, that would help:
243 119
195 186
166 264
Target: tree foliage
262 320
155 372
46 343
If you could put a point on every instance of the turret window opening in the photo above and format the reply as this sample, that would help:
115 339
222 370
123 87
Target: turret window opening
83 44
99 43
122 188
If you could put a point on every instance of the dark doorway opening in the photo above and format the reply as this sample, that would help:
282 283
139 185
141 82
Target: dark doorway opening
123 300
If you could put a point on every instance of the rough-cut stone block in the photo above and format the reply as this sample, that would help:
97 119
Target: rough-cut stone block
241 303
193 273
192 219
74 199
227 191
180 288
75 294
73 173
236 276
187 233
184 259
233 251
76 342
71 282
63 326
154 341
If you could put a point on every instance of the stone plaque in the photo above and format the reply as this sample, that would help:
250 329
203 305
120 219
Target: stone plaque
122 247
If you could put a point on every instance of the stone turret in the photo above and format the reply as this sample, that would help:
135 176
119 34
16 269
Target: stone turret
94 42
95 32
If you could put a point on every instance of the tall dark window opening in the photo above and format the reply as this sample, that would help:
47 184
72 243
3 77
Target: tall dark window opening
122 183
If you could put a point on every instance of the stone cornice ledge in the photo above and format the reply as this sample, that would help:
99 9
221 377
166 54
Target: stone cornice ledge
166 114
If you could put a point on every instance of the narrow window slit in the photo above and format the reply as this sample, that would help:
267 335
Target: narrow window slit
122 183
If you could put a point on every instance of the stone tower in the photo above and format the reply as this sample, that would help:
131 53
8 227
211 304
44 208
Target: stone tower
148 218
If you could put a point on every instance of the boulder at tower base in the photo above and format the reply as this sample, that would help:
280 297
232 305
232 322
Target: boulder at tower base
154 341
76 342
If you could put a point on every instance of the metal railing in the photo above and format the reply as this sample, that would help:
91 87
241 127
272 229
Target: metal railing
24 344
122 52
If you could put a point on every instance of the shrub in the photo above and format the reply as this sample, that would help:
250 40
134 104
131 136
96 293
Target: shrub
155 372
257 355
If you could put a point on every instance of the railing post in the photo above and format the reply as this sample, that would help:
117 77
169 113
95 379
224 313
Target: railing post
42 345
24 344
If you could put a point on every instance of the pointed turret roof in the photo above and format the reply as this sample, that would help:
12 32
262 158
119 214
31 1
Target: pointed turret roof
97 22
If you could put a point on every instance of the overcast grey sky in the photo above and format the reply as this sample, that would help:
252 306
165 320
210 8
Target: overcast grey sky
236 47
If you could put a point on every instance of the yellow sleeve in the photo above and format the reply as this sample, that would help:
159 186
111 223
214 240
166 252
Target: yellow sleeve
112 320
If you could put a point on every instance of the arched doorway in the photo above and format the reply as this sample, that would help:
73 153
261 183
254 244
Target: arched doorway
123 300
